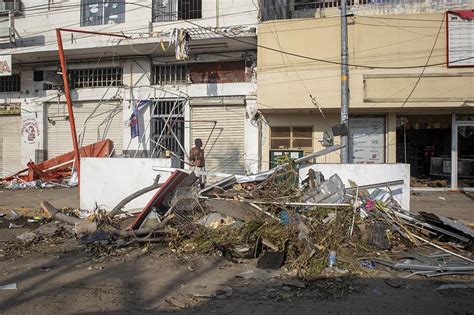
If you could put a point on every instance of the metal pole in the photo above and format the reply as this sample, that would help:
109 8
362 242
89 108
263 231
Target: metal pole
344 82
454 153
67 93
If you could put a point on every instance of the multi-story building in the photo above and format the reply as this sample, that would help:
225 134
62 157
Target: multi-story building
411 82
188 65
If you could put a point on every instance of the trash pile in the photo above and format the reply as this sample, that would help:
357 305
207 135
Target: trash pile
318 226
56 171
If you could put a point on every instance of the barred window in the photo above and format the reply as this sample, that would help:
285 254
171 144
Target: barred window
96 77
170 74
99 12
10 83
173 10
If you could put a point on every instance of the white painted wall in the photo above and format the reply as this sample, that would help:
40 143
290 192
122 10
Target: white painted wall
365 174
106 181
37 26
251 137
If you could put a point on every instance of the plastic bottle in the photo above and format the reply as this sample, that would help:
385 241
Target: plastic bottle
332 258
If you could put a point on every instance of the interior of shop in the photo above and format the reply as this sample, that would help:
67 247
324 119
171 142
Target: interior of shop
424 142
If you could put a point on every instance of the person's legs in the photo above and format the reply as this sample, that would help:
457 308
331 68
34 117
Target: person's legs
202 177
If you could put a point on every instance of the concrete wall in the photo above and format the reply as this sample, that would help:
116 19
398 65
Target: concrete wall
106 181
36 26
285 82
365 174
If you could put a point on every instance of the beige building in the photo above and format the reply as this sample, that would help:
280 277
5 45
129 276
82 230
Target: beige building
400 111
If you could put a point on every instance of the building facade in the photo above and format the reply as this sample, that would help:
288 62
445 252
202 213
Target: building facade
186 69
411 84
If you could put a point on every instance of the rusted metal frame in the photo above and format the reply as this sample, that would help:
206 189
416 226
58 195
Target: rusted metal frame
67 91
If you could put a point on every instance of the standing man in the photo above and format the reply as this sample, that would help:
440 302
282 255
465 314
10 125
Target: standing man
196 156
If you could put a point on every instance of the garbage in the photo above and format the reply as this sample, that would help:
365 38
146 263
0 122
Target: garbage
258 274
456 286
271 260
9 286
14 215
332 259
51 172
14 226
284 223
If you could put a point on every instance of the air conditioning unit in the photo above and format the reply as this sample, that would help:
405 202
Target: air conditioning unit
7 6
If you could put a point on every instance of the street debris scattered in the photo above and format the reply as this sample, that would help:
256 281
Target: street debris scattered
307 228
9 286
57 171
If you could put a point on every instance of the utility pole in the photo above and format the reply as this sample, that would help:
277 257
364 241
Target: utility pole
344 83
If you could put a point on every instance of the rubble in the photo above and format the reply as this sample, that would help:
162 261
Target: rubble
285 224
56 171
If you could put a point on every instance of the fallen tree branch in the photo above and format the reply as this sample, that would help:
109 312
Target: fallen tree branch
89 227
81 226
140 232
117 209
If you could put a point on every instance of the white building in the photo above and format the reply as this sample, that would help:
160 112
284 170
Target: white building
206 95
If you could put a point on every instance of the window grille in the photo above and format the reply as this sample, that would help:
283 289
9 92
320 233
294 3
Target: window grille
100 12
162 136
10 83
173 10
96 77
170 74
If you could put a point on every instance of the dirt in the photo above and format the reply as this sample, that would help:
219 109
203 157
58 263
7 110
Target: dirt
59 275
458 205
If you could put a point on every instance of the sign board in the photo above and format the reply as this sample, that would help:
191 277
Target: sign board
367 139
10 109
460 38
5 65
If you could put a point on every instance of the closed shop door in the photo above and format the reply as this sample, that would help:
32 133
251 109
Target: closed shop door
10 145
94 122
225 149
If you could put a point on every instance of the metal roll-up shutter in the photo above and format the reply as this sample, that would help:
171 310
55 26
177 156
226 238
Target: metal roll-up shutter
10 145
225 147
94 122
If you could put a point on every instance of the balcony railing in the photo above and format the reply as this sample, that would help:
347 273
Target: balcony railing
290 9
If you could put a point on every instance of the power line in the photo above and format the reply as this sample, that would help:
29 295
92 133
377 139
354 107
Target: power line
298 55
322 60
427 61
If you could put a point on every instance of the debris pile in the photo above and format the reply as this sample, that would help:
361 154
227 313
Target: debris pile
56 171
318 226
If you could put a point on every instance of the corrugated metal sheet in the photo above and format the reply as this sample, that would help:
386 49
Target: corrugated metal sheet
10 145
93 123
225 148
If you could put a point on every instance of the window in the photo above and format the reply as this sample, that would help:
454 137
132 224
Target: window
95 77
99 12
292 138
167 127
10 83
173 10
305 4
170 74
